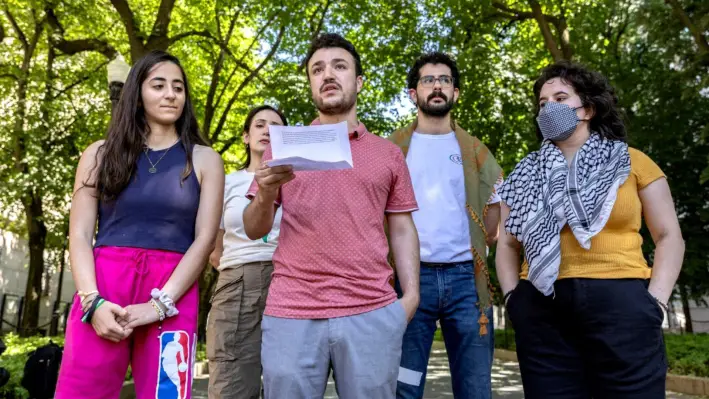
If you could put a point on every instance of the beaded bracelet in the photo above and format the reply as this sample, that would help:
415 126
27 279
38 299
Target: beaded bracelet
158 309
83 295
159 295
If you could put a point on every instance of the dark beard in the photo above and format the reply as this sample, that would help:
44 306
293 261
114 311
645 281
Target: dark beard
340 108
436 111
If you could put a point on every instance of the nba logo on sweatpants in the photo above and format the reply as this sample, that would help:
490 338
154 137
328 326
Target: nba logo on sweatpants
174 369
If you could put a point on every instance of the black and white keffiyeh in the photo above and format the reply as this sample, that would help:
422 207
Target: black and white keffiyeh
545 193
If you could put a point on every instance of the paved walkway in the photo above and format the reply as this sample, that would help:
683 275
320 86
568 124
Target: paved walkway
506 381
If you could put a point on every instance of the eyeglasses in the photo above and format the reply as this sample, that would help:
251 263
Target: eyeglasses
430 80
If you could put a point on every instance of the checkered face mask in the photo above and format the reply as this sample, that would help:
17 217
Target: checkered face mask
557 121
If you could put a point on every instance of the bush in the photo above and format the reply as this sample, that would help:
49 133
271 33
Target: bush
14 360
688 354
505 339
201 352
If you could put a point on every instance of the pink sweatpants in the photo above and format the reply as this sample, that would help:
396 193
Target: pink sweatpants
161 360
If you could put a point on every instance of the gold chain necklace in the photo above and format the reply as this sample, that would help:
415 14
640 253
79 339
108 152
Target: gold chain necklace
153 168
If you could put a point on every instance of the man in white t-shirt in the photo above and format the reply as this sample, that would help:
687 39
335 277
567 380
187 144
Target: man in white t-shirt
454 178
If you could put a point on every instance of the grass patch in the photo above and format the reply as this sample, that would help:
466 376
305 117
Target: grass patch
503 340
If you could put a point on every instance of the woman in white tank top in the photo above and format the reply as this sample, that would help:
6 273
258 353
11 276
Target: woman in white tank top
245 267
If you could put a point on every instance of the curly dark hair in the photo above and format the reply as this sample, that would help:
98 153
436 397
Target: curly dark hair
331 40
594 90
247 127
412 79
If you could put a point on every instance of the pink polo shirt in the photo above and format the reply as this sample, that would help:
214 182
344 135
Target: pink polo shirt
331 259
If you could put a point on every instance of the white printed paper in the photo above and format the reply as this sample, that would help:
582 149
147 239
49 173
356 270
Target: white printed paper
317 147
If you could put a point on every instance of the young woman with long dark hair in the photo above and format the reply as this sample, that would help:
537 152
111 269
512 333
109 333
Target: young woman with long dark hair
155 187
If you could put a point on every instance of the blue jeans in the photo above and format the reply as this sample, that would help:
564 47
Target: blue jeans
448 294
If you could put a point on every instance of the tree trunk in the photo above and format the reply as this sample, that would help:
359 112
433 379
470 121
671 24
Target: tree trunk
685 307
207 281
54 329
546 31
564 38
37 242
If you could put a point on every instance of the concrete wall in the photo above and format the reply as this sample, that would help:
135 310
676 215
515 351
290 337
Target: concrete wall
699 312
14 263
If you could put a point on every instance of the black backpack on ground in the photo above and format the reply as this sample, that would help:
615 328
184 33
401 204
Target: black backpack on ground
42 371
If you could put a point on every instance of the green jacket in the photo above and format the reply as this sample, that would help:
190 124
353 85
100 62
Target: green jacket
481 172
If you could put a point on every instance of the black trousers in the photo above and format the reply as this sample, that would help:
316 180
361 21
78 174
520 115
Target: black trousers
598 339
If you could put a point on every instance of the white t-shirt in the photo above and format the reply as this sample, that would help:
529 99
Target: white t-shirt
436 169
238 248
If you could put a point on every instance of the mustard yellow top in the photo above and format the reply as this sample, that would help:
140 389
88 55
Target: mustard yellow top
616 250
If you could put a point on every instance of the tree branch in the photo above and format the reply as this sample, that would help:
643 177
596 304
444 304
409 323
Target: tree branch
546 32
245 82
78 82
618 36
184 35
45 105
135 39
70 47
258 36
227 144
697 34
10 71
162 21
242 64
210 107
315 30
562 30
216 18
20 35
158 39
2 32
522 16
517 15
53 21
502 7
225 86
223 46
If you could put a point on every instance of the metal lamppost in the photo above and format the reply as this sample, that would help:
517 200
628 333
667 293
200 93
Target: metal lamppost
117 74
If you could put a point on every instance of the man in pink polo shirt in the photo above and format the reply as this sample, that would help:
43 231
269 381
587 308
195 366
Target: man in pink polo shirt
331 303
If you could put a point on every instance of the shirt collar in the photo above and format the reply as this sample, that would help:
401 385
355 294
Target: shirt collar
358 132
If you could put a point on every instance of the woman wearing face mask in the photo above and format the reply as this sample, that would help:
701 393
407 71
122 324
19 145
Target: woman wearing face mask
245 266
586 307
156 188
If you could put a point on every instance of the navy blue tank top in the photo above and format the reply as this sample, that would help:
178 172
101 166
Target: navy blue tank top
155 210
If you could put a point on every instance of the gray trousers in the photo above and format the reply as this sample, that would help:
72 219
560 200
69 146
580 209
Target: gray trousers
363 351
